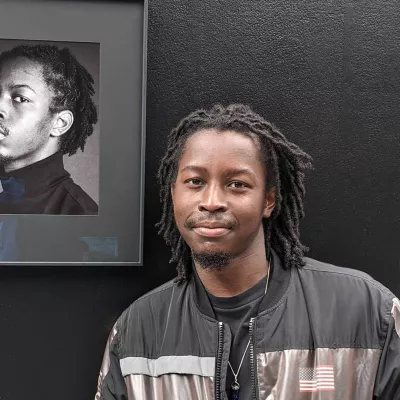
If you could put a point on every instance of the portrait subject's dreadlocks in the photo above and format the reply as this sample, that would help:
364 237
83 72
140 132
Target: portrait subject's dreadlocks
285 165
72 85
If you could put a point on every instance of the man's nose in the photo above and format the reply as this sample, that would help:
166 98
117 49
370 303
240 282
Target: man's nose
213 199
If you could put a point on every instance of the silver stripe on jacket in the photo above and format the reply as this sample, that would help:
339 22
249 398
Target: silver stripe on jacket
351 374
396 315
105 366
202 366
170 386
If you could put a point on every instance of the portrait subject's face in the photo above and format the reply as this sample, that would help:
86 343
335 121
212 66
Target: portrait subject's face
219 195
25 120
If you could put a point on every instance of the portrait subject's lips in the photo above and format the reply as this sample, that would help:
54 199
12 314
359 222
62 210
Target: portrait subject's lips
3 133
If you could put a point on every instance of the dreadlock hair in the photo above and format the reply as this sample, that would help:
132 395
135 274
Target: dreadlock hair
285 165
72 85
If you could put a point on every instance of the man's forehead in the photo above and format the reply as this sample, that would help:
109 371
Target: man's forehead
225 150
212 142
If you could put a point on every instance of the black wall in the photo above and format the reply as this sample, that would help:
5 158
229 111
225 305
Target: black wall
326 73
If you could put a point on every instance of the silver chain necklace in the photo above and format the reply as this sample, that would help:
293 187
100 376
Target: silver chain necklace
235 385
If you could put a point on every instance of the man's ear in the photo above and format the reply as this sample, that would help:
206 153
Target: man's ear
172 191
62 123
269 204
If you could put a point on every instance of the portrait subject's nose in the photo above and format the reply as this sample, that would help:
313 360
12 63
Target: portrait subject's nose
3 108
213 199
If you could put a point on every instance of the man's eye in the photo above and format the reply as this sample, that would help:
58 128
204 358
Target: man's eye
195 182
21 99
238 185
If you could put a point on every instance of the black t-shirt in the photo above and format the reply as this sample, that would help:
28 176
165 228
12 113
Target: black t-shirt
236 312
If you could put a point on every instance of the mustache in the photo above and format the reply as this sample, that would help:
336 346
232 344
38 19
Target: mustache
4 130
191 222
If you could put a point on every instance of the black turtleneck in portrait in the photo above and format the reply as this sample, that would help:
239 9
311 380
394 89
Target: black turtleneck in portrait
43 187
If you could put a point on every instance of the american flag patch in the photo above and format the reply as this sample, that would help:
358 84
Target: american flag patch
317 379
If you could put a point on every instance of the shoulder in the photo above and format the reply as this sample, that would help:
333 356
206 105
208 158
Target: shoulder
348 306
147 318
157 294
155 302
347 277
346 285
77 201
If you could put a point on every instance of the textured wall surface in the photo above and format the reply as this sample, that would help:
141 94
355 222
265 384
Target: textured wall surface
326 73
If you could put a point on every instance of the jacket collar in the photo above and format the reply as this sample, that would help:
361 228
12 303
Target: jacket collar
278 284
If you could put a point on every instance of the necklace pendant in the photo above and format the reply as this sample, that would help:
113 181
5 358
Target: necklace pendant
235 388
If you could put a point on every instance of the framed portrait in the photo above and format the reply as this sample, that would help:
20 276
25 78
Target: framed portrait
72 131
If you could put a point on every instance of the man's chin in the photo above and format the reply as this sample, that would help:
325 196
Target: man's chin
212 261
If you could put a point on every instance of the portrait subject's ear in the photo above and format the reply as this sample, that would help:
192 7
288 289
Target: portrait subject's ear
269 204
62 123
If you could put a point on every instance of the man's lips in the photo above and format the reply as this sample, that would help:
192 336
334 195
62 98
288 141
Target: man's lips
211 232
211 229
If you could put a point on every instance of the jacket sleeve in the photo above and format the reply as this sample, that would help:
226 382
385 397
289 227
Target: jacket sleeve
387 384
111 383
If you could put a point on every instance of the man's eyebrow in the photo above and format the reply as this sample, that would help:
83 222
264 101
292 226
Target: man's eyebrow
239 171
22 85
194 168
228 172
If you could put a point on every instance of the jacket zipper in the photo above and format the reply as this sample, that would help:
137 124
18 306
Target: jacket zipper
219 361
253 366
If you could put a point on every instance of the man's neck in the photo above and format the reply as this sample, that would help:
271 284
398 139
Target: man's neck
242 273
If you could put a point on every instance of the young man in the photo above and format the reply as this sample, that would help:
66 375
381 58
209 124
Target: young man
248 316
46 111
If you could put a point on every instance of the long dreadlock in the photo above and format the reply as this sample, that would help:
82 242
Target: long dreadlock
285 165
72 85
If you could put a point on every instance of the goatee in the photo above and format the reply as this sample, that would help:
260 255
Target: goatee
212 261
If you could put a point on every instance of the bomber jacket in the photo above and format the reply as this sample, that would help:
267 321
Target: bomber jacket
322 333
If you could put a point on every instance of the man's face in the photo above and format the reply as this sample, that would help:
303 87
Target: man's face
219 196
25 120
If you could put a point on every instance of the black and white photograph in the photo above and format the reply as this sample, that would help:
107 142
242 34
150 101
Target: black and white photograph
49 127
